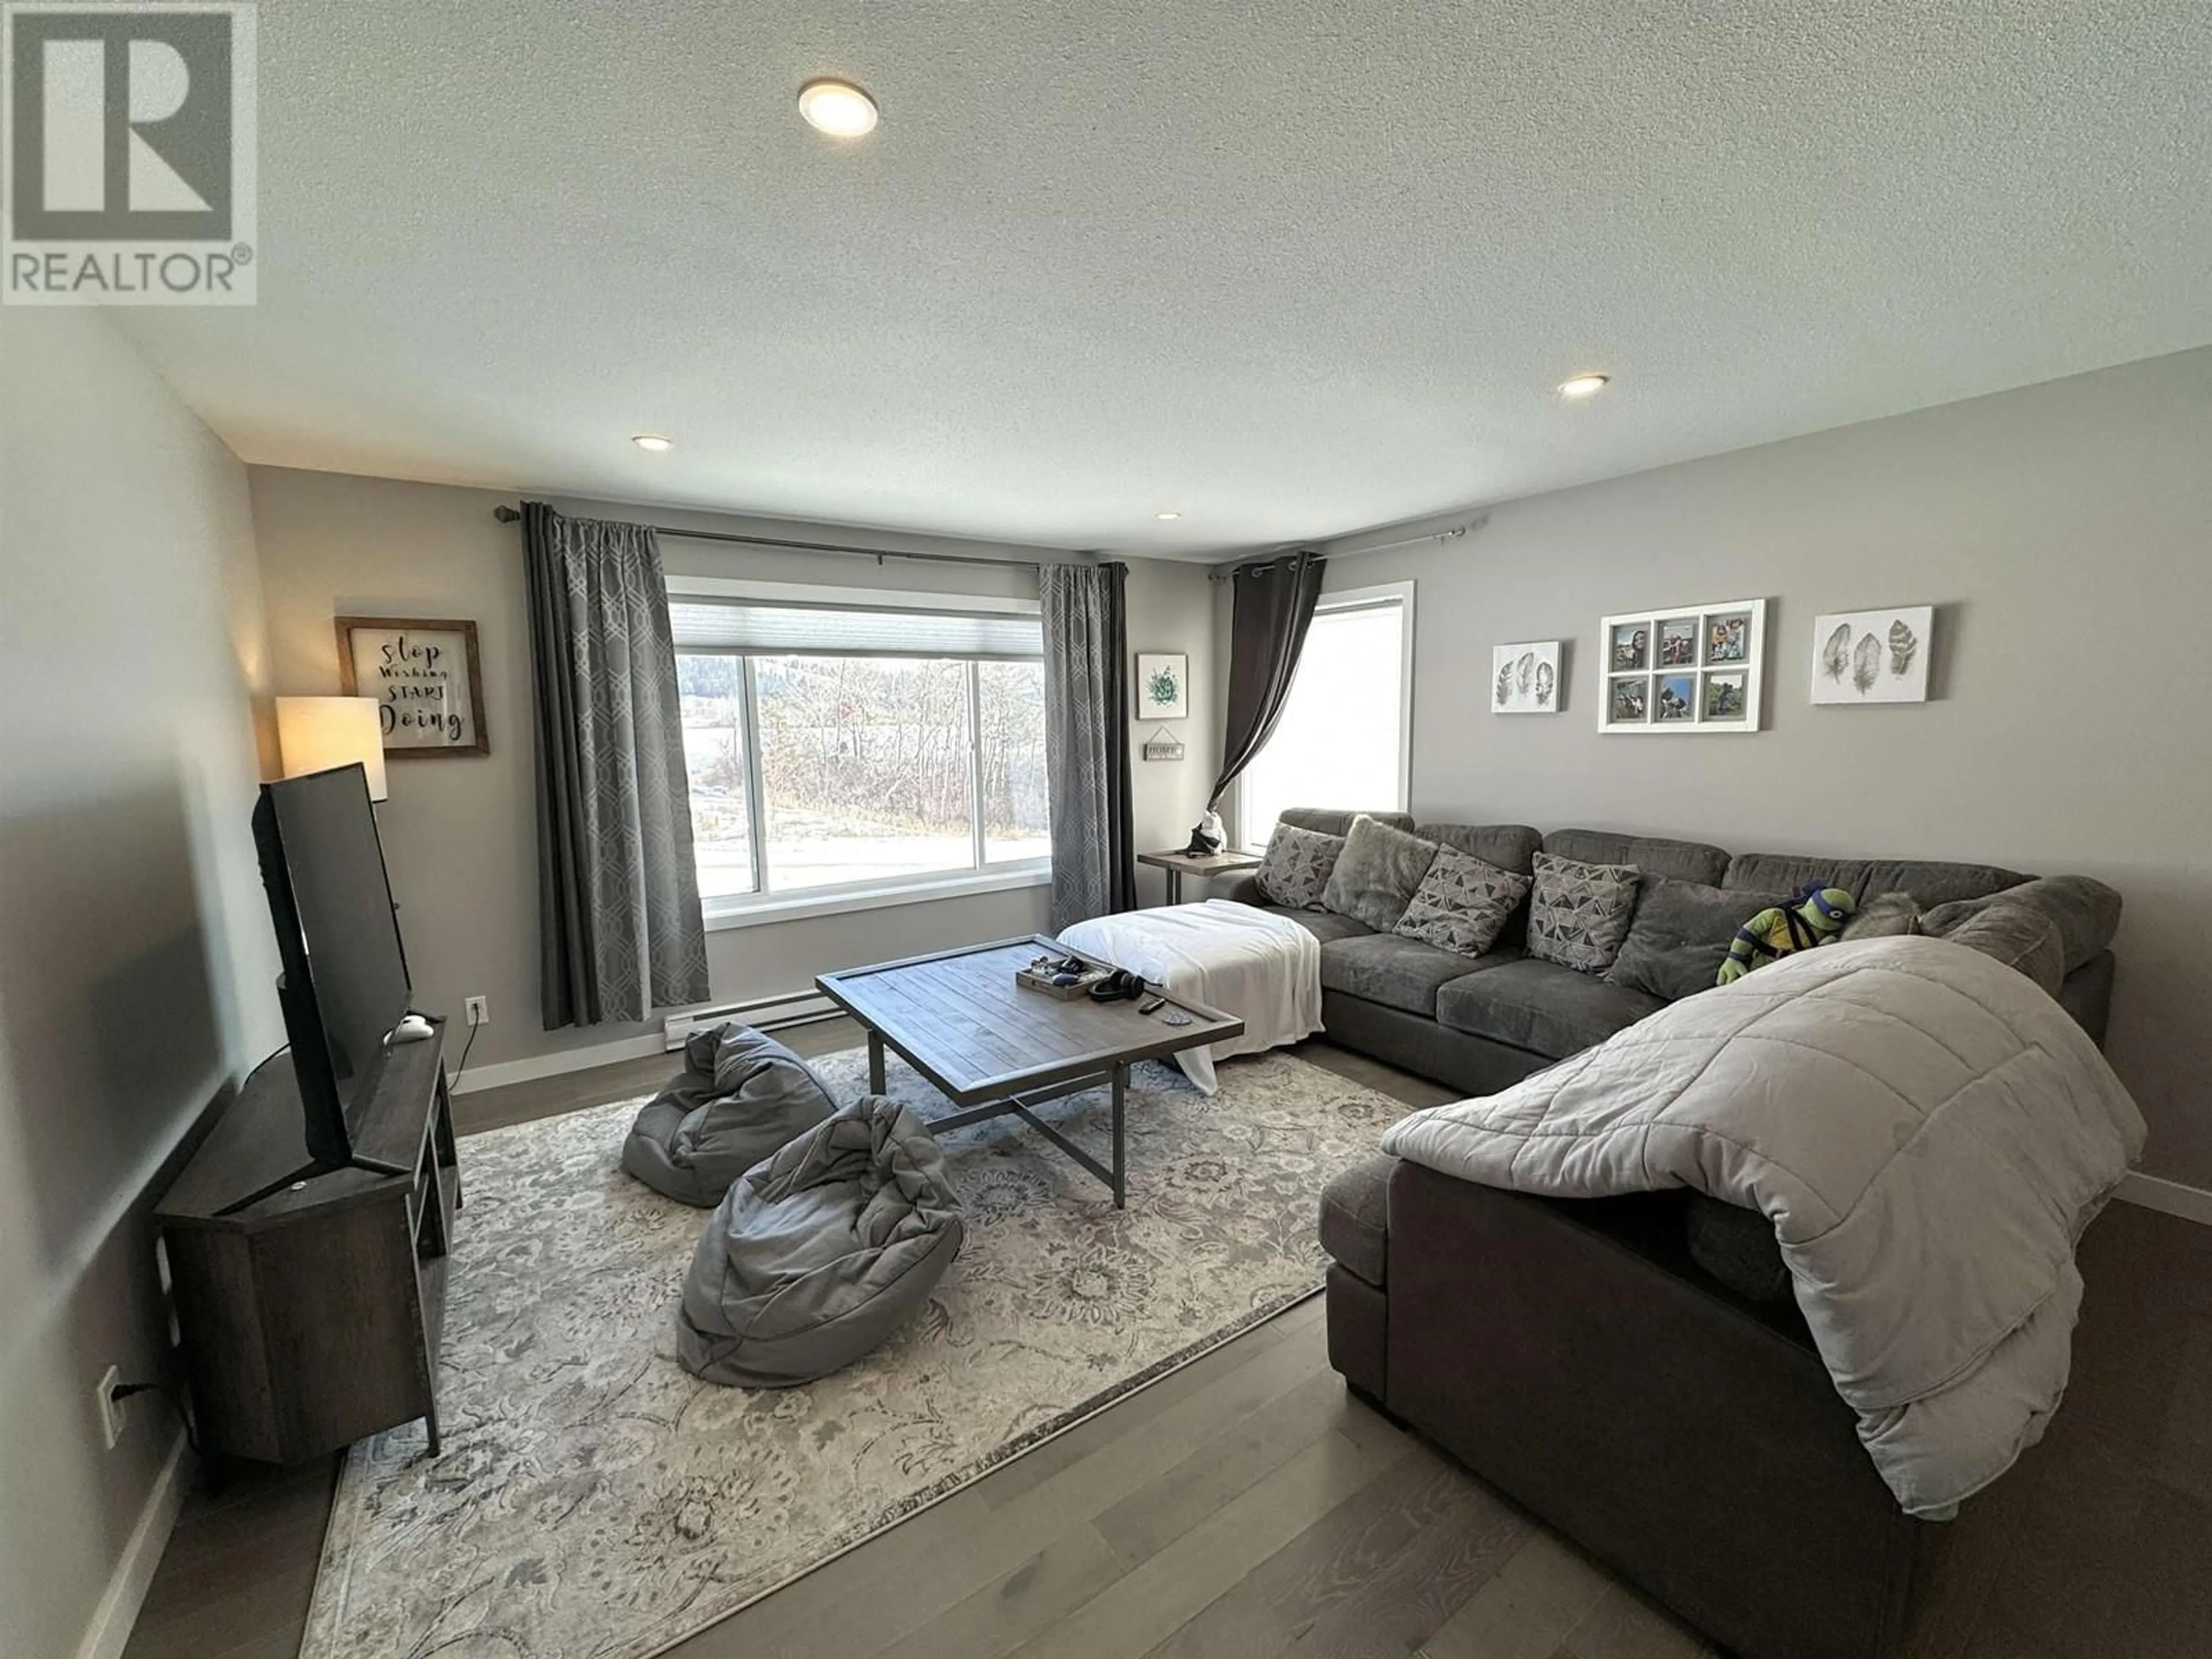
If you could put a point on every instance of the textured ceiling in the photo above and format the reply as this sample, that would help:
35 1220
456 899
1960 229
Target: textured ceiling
1293 267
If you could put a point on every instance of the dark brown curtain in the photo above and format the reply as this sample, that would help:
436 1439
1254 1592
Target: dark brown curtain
1272 607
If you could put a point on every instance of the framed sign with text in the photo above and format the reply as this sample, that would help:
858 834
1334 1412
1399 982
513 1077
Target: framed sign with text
426 679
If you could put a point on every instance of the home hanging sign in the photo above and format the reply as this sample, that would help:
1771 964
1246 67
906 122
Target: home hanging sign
1163 745
425 676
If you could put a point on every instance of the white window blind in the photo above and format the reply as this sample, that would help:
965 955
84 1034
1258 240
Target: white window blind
752 628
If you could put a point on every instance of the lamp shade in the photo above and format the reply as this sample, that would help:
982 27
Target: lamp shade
317 733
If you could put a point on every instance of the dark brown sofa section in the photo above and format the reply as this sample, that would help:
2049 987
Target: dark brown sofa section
1575 1354
1572 1356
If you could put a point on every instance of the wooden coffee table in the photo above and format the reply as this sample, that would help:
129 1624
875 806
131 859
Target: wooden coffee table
998 1050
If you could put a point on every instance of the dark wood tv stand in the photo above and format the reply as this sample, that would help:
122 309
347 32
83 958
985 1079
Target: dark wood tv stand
312 1302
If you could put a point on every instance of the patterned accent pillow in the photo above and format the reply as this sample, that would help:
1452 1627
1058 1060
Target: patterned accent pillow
1581 912
1297 865
1462 904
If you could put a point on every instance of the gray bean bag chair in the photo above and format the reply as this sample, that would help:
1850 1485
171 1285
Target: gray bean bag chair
819 1253
741 1095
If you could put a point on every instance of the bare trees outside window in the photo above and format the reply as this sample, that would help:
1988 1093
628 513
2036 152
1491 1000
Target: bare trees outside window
824 771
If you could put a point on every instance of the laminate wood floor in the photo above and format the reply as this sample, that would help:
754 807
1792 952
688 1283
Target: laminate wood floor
1246 1506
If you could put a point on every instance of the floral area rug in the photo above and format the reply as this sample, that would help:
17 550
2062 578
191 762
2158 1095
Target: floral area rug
594 1498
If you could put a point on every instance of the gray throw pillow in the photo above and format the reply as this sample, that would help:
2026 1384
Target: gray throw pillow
1462 904
1886 915
2086 912
1376 873
2018 935
1680 935
1579 913
1297 865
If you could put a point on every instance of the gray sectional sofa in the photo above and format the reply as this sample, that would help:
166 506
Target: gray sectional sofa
1634 1369
1481 1023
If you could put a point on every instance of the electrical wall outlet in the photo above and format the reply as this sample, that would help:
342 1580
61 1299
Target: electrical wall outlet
111 1408
476 1009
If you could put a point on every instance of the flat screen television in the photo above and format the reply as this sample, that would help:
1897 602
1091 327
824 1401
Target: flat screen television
345 974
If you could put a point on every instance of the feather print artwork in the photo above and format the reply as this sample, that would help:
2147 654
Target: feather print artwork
1527 677
1862 658
1866 663
1837 655
1903 644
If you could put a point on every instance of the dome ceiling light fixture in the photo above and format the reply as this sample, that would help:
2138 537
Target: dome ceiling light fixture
837 107
653 443
1584 385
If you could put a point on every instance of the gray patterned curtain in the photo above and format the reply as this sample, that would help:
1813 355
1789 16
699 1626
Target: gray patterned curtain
1086 751
619 927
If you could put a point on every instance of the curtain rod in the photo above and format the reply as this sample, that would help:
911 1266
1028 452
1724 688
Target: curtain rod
506 514
1223 573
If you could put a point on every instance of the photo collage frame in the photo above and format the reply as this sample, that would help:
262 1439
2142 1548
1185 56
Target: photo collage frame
1683 669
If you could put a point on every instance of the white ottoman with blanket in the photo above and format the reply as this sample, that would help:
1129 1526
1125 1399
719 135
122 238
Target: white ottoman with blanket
1262 968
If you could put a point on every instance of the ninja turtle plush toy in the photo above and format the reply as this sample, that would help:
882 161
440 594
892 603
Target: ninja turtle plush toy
1812 918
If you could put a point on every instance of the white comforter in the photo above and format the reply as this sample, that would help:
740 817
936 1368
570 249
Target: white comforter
1264 969
1929 1134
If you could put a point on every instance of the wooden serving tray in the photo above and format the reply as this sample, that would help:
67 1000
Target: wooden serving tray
1029 980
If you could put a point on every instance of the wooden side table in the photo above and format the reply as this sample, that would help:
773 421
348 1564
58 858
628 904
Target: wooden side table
1179 865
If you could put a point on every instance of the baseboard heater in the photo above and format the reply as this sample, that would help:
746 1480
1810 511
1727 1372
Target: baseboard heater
767 1013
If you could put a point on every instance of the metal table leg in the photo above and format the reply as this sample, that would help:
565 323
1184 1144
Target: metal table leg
1114 1173
1121 1167
1175 886
875 1062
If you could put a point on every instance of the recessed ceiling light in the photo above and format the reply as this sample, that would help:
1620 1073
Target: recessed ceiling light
837 107
1169 513
1583 386
652 443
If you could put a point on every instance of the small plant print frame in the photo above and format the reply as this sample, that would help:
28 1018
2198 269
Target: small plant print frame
1162 685
1684 669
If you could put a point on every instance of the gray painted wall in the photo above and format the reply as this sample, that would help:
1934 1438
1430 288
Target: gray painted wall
2065 532
136 962
458 834
1171 608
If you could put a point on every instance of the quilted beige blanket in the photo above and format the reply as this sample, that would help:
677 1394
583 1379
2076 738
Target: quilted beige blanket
1929 1132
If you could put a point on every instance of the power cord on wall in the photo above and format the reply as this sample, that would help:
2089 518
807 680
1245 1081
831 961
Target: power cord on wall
123 1391
454 1082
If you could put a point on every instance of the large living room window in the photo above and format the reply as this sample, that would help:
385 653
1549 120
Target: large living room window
847 744
1346 736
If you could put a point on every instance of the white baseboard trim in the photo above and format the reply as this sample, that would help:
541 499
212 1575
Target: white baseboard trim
2155 1192
769 1014
553 1064
110 1630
